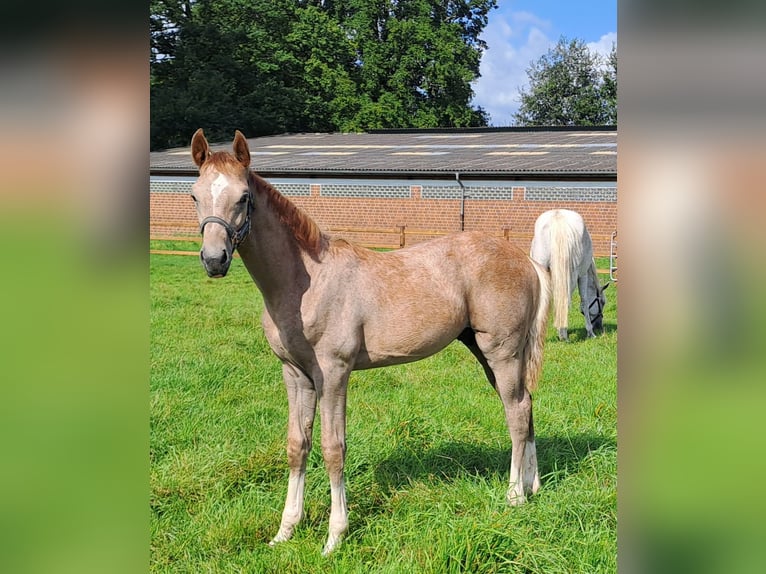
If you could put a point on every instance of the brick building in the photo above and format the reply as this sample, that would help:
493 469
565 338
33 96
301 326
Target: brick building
393 186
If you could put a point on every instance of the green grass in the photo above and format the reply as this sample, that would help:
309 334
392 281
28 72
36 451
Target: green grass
428 451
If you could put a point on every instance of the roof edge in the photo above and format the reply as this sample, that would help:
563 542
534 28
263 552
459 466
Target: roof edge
436 175
509 129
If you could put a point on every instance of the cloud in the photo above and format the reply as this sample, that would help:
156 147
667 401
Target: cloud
603 47
515 41
604 44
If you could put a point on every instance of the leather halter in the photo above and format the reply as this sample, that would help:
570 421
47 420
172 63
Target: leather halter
235 236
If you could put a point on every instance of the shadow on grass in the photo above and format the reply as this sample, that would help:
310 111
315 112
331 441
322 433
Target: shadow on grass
447 462
558 458
578 334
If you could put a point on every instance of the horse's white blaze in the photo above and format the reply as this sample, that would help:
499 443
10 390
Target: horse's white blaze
217 187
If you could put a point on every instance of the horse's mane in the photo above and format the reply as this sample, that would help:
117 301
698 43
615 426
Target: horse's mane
305 230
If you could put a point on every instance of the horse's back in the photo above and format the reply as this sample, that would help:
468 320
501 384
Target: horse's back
562 226
416 300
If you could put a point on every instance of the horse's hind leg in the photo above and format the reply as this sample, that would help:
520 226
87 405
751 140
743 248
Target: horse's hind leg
517 403
468 338
524 477
301 398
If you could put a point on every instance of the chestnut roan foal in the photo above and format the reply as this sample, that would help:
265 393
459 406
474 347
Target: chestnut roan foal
331 307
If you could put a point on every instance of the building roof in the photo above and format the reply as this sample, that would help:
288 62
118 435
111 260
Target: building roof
507 153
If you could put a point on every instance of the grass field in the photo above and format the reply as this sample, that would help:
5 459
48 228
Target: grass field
428 450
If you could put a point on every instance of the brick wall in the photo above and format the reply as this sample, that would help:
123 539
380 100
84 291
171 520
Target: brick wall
416 208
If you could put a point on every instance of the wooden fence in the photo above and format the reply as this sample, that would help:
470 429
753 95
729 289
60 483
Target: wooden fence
399 238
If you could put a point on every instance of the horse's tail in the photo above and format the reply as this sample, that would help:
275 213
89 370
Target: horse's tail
563 260
533 349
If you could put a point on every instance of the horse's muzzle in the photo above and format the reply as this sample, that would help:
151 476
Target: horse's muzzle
598 324
215 264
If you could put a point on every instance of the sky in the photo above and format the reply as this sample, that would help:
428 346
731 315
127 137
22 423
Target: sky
520 31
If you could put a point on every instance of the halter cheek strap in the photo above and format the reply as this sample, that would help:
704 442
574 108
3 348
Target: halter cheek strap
597 301
235 236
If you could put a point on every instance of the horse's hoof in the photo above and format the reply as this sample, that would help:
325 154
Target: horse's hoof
280 537
515 499
332 544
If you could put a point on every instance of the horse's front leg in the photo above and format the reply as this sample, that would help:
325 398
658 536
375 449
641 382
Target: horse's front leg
582 284
301 398
332 410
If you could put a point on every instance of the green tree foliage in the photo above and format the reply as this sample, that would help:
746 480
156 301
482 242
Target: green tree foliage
568 86
273 66
227 65
416 61
609 88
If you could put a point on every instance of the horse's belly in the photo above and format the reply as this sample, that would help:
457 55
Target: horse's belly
403 347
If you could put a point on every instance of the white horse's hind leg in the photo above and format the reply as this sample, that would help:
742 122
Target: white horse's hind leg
302 406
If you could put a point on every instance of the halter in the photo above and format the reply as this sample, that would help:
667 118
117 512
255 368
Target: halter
237 236
597 301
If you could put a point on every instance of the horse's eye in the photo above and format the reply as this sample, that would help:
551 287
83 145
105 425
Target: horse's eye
243 199
194 198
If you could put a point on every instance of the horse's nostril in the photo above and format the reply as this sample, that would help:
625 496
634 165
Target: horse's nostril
224 257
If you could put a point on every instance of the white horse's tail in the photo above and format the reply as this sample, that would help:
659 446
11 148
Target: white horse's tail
533 349
564 258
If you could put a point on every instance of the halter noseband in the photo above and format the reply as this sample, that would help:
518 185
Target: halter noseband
237 236
597 301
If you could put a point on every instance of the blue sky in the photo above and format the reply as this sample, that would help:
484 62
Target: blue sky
520 31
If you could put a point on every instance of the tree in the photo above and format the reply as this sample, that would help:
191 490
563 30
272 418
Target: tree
271 66
566 88
228 67
609 88
416 60
325 61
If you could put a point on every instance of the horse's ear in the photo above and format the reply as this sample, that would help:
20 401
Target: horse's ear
200 149
605 285
241 151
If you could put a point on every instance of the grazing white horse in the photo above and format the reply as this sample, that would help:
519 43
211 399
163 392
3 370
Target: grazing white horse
563 245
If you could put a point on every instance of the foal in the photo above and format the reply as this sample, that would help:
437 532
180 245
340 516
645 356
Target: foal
331 307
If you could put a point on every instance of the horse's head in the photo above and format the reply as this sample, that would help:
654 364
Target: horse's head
222 197
596 307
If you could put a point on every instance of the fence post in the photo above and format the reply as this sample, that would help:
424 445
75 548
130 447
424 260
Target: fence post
402 238
507 233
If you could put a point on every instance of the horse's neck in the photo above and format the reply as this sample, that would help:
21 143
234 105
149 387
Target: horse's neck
273 257
592 283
